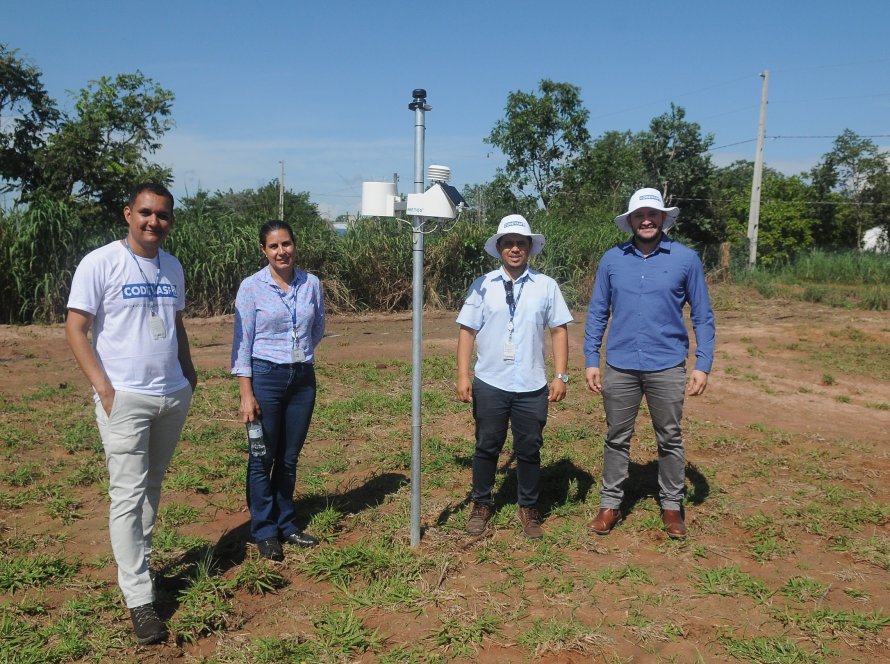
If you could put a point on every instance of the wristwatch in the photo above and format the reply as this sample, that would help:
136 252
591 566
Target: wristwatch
563 377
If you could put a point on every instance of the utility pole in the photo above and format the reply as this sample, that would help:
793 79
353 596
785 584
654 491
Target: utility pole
754 211
281 193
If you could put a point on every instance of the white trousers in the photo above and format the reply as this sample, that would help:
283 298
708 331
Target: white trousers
139 438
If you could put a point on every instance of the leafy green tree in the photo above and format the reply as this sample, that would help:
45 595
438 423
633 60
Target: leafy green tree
540 135
90 155
99 151
675 160
27 115
855 171
786 226
604 175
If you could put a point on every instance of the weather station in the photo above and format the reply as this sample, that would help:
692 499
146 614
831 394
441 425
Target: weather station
429 210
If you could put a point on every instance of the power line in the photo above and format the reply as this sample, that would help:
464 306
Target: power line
775 138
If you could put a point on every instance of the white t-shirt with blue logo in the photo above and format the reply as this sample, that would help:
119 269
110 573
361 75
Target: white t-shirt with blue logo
108 283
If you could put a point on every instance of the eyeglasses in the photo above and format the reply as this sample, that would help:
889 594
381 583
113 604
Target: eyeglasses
509 244
508 288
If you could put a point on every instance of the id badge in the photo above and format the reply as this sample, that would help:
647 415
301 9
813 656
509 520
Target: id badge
509 351
296 355
156 326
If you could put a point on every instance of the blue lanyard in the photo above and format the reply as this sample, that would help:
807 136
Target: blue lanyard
291 311
152 292
515 301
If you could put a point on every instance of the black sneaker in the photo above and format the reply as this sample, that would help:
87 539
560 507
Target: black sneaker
148 627
271 549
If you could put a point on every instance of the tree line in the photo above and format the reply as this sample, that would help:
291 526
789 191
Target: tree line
554 164
68 171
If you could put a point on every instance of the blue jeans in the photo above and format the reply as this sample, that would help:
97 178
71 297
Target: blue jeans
623 392
286 394
526 412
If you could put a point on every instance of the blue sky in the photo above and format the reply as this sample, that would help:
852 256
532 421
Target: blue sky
325 86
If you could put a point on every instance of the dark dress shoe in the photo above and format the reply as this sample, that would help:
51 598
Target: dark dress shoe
271 549
606 519
300 538
673 523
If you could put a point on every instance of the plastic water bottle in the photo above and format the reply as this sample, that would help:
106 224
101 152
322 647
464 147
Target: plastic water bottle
255 438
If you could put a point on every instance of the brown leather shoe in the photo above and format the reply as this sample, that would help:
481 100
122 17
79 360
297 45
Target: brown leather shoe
530 518
479 518
606 519
673 523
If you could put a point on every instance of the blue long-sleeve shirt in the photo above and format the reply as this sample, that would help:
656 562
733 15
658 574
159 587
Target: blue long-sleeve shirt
263 322
645 296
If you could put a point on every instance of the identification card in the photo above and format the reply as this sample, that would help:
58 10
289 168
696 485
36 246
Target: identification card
156 326
509 351
296 355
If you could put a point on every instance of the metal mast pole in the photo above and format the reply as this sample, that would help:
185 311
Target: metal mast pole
281 193
419 106
754 212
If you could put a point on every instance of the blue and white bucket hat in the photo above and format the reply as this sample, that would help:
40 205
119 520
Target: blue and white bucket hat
650 198
514 223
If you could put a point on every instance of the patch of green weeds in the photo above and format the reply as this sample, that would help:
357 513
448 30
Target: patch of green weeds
187 479
342 633
177 514
633 574
86 473
857 594
767 650
26 474
81 436
804 589
325 523
205 605
461 634
258 577
22 572
168 540
874 550
547 556
554 636
62 507
274 650
828 622
380 574
728 581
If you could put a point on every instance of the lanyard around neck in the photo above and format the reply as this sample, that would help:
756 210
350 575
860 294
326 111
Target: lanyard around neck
152 292
513 300
292 291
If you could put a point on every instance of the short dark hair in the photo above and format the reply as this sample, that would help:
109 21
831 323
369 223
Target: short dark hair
275 225
154 187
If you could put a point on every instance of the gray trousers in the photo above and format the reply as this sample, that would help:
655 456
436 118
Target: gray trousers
623 392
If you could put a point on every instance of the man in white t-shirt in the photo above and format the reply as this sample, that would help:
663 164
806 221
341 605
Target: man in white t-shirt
131 294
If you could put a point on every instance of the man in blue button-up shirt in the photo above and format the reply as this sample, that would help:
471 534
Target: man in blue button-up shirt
505 313
643 286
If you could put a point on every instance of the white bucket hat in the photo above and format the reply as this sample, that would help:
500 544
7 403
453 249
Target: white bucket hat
514 223
650 198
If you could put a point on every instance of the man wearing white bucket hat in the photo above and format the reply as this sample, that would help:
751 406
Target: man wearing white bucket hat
643 286
505 314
